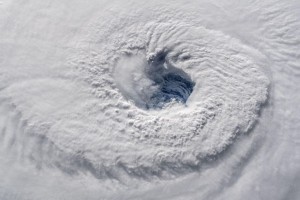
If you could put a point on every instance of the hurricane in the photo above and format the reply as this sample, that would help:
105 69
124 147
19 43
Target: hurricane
149 99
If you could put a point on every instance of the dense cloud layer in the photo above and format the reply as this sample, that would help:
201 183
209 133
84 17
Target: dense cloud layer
149 100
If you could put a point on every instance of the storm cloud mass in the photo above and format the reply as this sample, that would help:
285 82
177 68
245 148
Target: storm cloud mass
149 99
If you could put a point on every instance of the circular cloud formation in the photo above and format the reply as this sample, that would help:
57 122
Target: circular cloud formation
172 94
125 100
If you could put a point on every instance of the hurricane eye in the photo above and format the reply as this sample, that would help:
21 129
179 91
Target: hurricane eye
172 84
152 83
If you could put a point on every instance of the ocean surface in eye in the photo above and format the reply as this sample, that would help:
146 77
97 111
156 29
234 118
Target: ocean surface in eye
149 100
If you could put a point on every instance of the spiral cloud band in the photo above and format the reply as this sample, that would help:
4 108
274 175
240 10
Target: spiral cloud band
221 92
